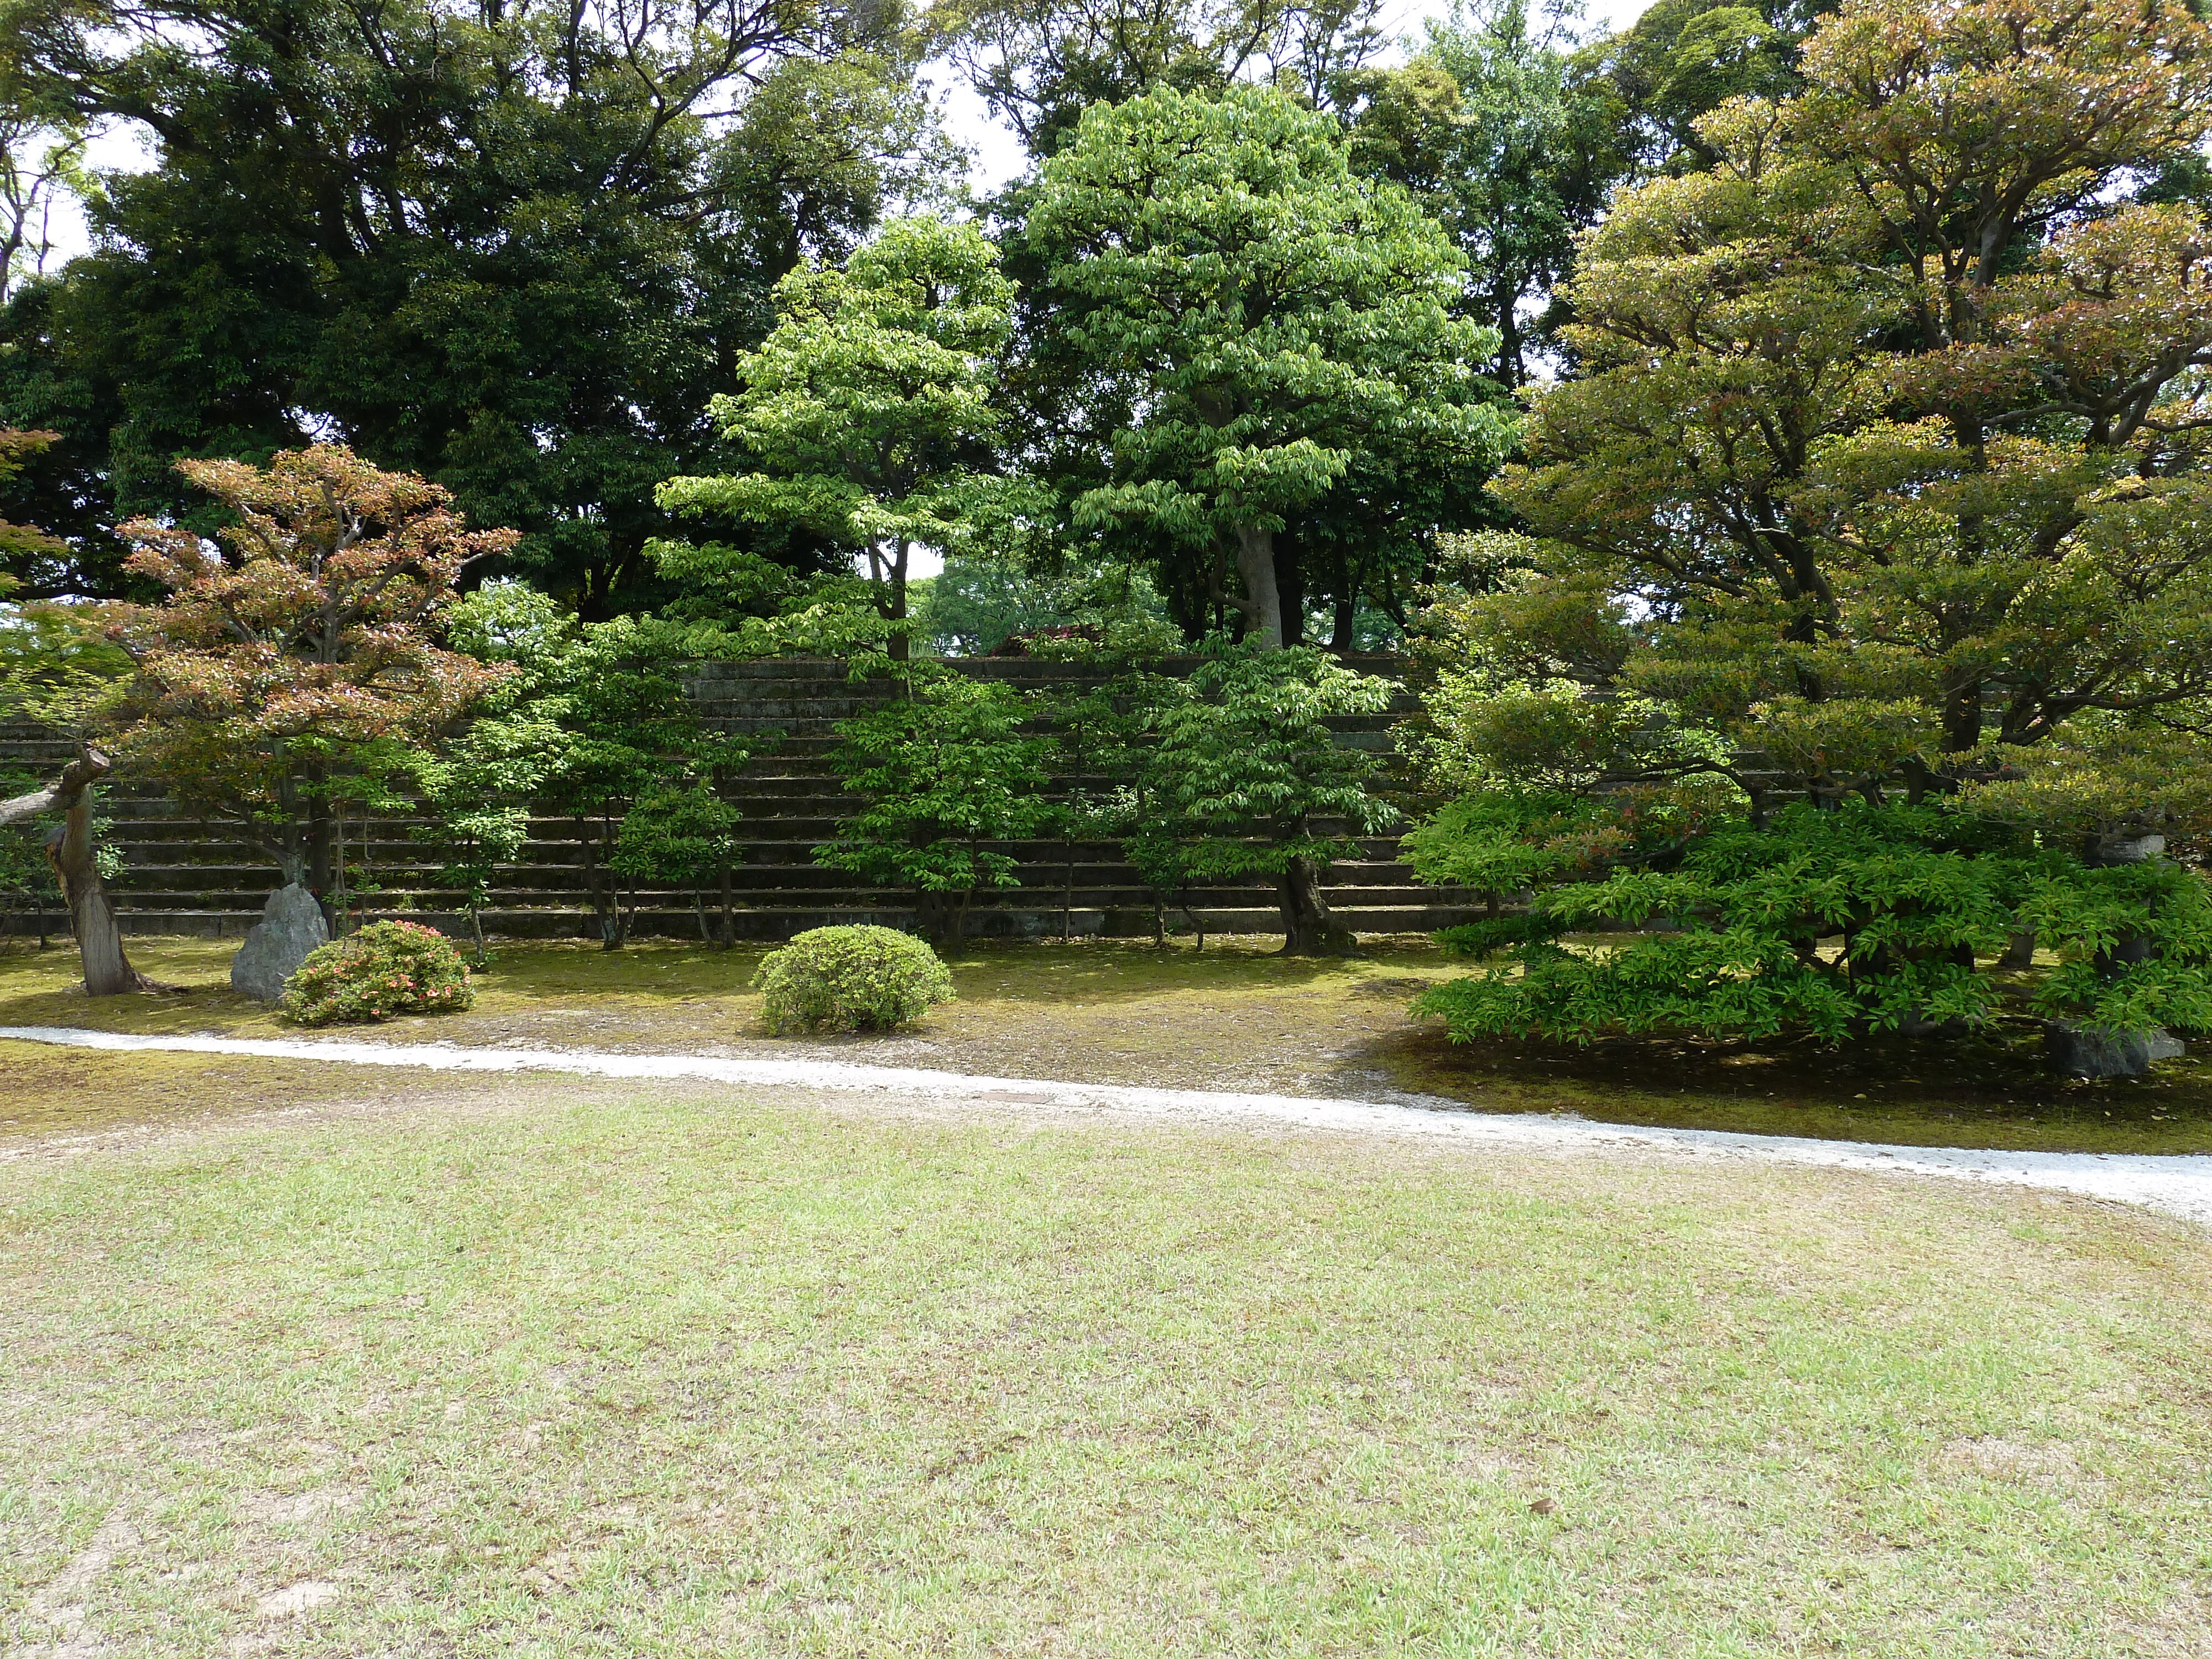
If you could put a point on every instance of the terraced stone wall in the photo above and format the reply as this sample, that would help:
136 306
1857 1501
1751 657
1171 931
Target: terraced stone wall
181 876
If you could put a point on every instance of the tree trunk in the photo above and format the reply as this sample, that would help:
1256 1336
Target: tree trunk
1255 569
900 647
1290 588
940 916
606 908
1310 929
729 909
69 849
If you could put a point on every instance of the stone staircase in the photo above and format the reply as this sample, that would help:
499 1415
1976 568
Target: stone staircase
184 877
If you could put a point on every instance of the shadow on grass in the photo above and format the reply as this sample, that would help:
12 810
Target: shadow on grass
1990 1090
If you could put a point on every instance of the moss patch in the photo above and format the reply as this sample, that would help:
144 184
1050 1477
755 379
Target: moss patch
1237 1017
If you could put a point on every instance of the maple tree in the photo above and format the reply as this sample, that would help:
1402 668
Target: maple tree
301 653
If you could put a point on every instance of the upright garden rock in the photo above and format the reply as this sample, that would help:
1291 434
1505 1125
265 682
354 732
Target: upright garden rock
2088 1051
291 925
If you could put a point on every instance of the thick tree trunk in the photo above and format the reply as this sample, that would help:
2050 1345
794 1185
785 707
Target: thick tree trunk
1256 569
1309 928
70 850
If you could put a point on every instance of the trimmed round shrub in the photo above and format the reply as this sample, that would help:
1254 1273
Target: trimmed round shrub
851 979
388 968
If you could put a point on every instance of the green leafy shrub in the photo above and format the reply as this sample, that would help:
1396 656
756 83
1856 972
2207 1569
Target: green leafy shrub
1855 919
851 979
388 968
950 778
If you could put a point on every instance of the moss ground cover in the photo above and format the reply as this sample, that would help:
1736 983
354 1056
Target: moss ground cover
569 1370
1236 1017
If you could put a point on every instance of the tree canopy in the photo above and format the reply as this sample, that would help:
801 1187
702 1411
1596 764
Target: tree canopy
511 248
868 407
1277 336
1883 477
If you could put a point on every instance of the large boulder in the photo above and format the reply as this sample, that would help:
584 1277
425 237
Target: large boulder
2091 1051
291 925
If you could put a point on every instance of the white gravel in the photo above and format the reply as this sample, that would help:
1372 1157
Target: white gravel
2180 1185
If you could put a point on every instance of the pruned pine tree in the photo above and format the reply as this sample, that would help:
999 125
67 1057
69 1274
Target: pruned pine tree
1884 481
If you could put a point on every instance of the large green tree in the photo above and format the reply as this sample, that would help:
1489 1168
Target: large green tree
1503 134
1273 339
1038 64
1885 478
514 248
868 409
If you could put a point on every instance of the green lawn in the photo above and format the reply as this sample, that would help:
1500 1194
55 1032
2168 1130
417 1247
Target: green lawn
1236 1016
566 1369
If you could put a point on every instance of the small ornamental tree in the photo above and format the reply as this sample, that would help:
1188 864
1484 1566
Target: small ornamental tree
868 407
594 723
1243 777
947 774
683 833
302 656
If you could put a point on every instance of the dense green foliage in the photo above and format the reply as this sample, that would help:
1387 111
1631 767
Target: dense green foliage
1860 918
1275 337
947 775
591 723
1238 775
510 247
1883 480
869 406
850 979
381 971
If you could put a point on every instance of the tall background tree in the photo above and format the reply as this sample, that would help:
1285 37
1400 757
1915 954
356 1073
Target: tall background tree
511 248
1266 345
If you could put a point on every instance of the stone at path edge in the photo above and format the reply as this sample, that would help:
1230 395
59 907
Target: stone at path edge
291 925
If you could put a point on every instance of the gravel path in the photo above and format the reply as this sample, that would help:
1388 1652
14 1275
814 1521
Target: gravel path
2181 1186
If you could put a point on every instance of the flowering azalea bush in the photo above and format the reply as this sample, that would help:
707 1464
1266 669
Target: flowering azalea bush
388 968
851 979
